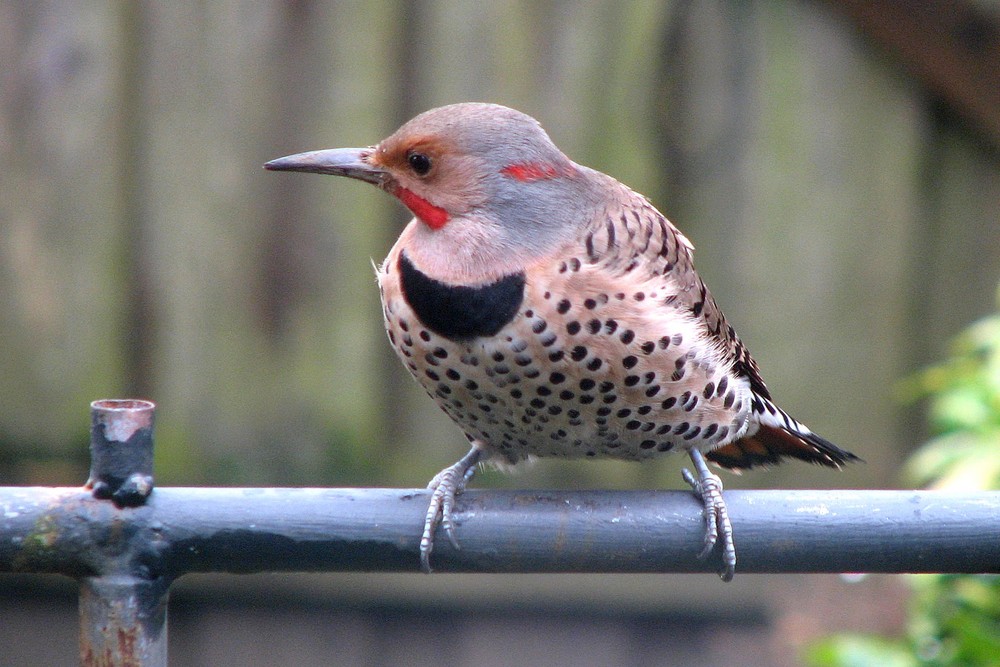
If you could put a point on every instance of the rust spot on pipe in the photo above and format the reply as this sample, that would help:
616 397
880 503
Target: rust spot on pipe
126 646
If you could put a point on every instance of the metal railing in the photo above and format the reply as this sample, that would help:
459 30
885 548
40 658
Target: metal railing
126 544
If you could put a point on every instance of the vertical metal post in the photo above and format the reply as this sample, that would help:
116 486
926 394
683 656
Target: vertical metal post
123 622
123 614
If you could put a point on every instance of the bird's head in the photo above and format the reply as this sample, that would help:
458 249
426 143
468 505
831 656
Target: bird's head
482 180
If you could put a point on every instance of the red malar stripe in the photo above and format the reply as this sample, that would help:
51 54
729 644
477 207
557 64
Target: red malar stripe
433 216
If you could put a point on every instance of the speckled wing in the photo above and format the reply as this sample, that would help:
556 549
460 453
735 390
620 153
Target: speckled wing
640 238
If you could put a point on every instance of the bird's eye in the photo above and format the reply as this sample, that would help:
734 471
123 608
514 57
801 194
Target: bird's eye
419 163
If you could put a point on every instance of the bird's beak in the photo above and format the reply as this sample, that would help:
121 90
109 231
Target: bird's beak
350 162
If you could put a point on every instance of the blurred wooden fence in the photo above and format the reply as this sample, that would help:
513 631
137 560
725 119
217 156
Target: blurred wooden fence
846 222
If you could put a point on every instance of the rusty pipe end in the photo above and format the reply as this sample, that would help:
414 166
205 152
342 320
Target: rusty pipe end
121 450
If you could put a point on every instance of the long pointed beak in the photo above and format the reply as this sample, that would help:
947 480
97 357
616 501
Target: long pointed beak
350 162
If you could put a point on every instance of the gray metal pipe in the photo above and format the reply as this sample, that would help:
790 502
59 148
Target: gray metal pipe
126 543
180 530
123 621
121 450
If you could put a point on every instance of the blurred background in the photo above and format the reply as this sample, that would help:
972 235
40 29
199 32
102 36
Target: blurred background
836 164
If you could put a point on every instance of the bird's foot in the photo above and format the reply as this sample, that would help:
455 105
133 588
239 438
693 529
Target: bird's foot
444 487
708 487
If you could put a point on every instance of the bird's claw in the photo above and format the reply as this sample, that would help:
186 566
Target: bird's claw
708 487
444 487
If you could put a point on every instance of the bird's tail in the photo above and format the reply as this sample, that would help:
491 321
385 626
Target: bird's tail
778 437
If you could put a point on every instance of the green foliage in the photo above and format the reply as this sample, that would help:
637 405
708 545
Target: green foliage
850 650
954 619
964 413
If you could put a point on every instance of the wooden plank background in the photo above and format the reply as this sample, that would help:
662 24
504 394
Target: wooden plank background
846 218
845 222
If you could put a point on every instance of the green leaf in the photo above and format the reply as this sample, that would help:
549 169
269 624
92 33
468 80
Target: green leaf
851 650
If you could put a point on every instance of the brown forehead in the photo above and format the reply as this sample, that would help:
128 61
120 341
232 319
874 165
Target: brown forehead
393 151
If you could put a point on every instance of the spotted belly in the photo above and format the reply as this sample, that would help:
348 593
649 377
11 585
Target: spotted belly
581 377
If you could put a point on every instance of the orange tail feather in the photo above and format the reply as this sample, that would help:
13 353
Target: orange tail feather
770 444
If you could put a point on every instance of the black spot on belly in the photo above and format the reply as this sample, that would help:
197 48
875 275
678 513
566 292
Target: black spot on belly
460 312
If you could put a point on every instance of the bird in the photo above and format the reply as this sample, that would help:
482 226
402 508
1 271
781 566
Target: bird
552 311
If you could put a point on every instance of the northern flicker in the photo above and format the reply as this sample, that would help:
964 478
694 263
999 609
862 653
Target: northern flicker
550 310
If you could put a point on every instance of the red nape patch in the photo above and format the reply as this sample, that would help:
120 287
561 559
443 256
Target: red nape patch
535 171
433 216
